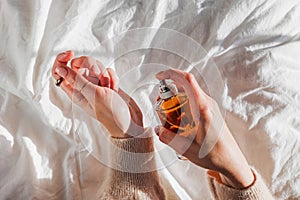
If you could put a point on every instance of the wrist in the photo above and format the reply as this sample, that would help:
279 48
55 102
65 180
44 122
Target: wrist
234 169
132 132
239 179
134 155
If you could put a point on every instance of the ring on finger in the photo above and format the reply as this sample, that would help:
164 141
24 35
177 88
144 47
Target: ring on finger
59 81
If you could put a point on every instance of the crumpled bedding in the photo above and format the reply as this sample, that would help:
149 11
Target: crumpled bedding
48 153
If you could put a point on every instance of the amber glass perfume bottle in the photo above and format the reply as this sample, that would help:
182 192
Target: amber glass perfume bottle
173 109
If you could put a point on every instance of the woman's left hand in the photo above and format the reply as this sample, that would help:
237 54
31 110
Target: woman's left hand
95 89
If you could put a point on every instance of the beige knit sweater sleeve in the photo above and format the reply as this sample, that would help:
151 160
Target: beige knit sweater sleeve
132 174
257 191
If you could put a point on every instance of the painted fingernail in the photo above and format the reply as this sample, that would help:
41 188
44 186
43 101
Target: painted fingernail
105 81
158 74
62 55
61 71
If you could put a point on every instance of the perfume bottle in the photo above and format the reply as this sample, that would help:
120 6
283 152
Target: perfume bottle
173 109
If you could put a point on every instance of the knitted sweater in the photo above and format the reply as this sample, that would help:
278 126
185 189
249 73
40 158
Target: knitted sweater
124 183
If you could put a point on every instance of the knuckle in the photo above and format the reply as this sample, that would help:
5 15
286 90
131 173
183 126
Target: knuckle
164 134
75 62
169 71
71 77
85 60
189 76
204 108
162 138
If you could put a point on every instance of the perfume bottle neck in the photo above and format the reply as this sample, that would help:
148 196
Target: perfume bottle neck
165 92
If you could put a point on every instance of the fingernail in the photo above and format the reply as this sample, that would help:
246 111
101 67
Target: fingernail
158 74
61 71
105 82
63 55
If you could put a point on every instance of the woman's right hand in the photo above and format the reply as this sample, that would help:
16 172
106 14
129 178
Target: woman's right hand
210 144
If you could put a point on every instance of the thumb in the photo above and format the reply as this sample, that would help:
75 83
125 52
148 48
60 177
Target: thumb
64 57
61 60
179 143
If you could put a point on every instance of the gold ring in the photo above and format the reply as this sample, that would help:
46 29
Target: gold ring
59 81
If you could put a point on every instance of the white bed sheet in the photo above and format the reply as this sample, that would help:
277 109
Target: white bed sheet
255 45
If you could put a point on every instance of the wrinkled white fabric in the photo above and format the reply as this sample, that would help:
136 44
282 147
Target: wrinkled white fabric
45 153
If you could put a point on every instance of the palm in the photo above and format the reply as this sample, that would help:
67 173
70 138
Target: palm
95 89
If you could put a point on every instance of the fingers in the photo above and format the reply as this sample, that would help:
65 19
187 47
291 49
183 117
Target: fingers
87 67
181 145
61 60
92 69
77 81
182 78
114 79
95 72
77 98
86 62
186 80
200 94
104 76
104 80
74 95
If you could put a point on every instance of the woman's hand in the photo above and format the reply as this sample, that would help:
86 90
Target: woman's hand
210 144
95 89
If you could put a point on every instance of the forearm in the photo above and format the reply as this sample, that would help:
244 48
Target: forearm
231 163
234 179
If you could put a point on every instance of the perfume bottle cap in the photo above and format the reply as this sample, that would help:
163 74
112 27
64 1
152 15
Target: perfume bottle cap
164 90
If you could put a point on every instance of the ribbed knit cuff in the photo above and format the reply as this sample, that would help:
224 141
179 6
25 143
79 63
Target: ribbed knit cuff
258 190
133 172
133 155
